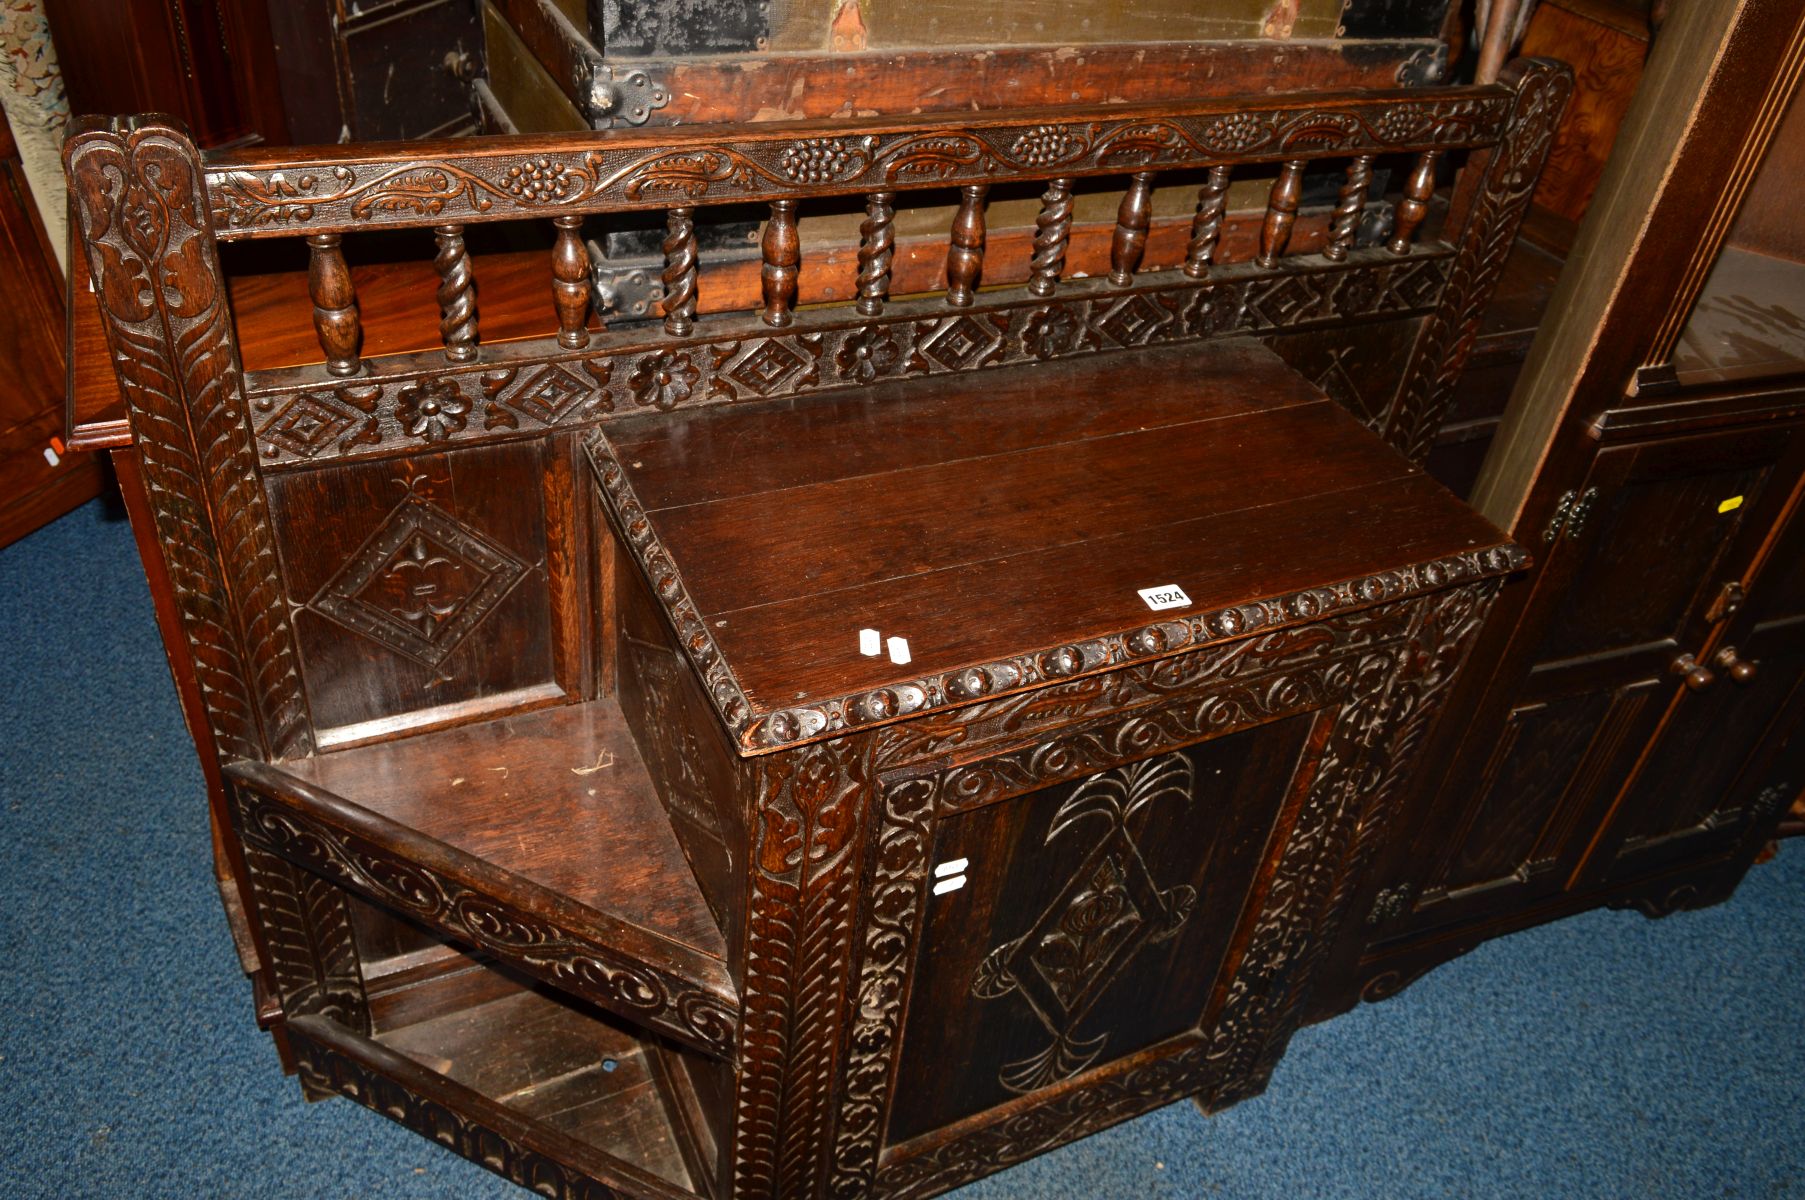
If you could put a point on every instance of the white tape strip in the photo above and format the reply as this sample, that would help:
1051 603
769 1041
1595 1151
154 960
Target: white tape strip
899 650
949 885
871 643
951 867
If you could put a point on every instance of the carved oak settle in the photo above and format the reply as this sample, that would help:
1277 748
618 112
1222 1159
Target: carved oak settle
575 822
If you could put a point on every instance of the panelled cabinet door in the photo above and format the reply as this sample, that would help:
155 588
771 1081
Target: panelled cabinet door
1719 770
1065 930
1086 921
1635 562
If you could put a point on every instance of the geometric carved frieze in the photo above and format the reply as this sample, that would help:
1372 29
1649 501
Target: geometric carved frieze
524 387
420 583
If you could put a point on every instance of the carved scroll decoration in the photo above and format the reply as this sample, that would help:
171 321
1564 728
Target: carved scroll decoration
665 167
138 197
659 999
304 418
1510 171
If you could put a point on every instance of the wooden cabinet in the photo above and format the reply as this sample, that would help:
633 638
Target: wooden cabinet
831 749
1630 732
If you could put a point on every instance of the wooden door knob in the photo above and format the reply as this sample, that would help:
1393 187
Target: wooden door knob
1694 674
1741 670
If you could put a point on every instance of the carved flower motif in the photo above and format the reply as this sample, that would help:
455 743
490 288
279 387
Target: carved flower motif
815 160
537 181
1052 331
1358 292
1236 131
663 380
1217 309
867 354
1044 145
432 409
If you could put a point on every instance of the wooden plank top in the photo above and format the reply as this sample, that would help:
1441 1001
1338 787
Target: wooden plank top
1005 522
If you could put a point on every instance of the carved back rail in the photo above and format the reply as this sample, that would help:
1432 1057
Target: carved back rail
325 193
152 210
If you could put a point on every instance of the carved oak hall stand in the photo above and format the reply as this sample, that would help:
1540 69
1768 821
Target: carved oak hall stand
841 750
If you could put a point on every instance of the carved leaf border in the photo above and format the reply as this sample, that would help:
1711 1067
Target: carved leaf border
650 169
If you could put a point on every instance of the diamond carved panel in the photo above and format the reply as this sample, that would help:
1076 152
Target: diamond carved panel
550 394
308 422
420 584
1109 908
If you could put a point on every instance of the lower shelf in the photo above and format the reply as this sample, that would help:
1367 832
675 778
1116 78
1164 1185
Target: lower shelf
545 1091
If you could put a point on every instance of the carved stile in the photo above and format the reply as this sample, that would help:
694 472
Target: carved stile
877 246
570 283
1133 218
1504 179
137 192
1281 212
680 272
1052 229
1415 204
783 258
965 251
1206 226
457 294
335 316
1349 208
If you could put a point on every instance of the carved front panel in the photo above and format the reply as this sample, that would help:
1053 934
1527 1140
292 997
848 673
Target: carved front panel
1092 921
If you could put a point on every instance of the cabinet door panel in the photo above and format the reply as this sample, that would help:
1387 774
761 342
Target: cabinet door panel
1653 542
1093 919
1692 796
1629 585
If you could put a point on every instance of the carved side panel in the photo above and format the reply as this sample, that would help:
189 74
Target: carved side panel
1508 177
798 963
139 197
419 583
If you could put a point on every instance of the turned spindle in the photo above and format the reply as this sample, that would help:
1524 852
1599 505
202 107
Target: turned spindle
965 250
1281 212
570 283
457 294
334 304
783 256
1346 221
877 245
680 272
1415 204
1133 218
1052 229
1206 226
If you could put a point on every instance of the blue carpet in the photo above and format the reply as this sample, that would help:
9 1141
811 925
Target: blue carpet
1606 1056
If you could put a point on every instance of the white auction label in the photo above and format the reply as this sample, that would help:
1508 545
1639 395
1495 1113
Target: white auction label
1166 595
